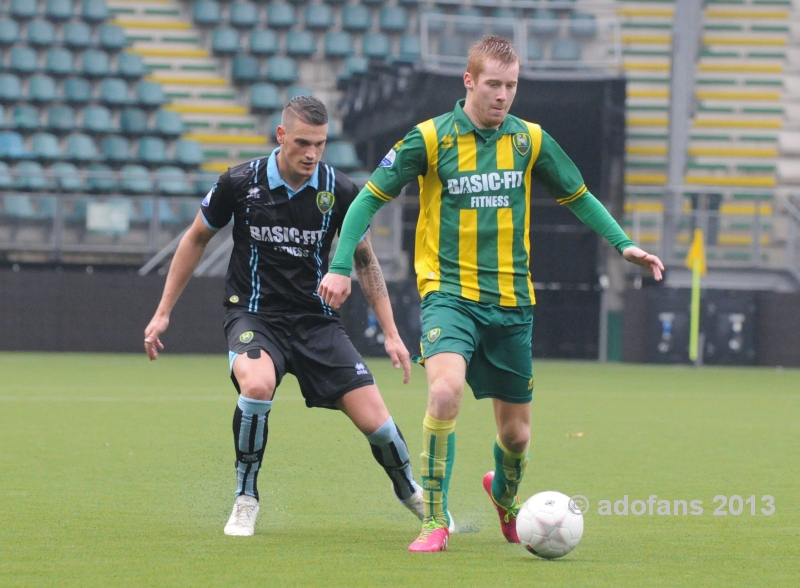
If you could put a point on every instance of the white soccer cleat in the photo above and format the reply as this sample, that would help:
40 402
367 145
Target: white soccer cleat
416 504
243 518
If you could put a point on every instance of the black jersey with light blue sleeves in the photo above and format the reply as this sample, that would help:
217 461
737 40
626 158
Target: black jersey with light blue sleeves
280 244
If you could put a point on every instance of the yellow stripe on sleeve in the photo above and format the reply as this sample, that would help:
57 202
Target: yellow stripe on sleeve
505 153
467 153
574 196
505 256
377 192
468 254
426 256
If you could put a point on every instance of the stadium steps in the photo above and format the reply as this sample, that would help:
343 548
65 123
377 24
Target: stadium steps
196 83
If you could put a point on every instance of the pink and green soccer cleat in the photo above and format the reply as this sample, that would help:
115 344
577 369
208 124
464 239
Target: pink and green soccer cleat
433 537
508 516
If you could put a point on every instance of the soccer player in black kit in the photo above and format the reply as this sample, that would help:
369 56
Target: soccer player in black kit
286 210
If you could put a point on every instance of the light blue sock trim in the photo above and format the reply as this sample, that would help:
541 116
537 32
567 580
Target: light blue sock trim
385 433
253 406
232 355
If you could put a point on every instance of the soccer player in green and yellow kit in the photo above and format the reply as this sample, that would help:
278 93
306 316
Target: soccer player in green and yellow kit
475 167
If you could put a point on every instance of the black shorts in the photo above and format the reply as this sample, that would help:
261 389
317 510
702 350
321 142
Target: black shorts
313 347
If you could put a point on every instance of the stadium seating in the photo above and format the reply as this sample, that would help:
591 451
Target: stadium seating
41 89
59 62
135 179
45 147
243 14
60 119
280 16
58 10
281 70
263 42
66 177
318 17
265 97
338 44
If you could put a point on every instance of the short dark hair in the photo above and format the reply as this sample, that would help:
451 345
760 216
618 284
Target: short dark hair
307 108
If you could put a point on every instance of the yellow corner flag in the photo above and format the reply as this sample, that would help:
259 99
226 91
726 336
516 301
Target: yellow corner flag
696 261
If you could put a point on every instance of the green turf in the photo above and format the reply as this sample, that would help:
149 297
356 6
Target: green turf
119 472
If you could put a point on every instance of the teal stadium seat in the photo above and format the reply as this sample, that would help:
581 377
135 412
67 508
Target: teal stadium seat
318 17
112 38
66 177
243 14
77 91
265 97
77 35
280 16
583 25
40 33
356 18
169 124
45 147
18 206
435 25
245 69
22 10
60 119
152 150
545 23
12 145
505 29
300 43
95 63
115 149
114 92
80 147
6 181
41 89
188 153
171 181
3 122
452 46
9 32
31 177
225 41
133 121
26 117
58 10
357 64
377 45
394 19
474 25
23 60
281 70
135 179
150 95
535 51
410 47
94 11
75 209
207 13
342 155
565 50
97 120
59 62
10 88
101 179
263 42
130 66
338 44
295 90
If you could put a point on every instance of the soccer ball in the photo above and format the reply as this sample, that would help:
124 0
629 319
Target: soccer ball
549 524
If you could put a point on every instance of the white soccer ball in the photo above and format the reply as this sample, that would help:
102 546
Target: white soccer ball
549 524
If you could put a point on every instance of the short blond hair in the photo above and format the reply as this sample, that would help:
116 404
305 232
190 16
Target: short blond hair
494 48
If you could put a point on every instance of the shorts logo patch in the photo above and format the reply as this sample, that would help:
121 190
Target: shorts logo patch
433 334
325 201
234 299
530 383
246 337
522 143
361 369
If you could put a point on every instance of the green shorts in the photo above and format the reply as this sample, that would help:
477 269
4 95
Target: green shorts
495 341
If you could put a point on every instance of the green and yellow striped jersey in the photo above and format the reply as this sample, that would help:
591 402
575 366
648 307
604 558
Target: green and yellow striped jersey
473 233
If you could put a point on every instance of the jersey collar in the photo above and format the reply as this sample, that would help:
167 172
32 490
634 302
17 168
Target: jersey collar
465 125
276 181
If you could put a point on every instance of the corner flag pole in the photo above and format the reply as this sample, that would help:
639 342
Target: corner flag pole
696 261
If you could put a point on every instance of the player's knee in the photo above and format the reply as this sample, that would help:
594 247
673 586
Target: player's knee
516 438
444 389
256 380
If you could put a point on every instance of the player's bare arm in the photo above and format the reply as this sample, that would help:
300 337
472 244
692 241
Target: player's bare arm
644 259
186 258
370 278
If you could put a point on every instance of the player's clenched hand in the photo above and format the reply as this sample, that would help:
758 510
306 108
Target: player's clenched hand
397 352
334 289
152 343
644 259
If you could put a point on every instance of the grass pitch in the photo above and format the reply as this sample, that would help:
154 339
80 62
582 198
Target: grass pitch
118 472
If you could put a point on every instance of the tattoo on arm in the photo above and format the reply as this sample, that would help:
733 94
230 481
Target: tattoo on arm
370 276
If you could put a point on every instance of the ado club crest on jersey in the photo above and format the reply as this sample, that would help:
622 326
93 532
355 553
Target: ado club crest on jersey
325 201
